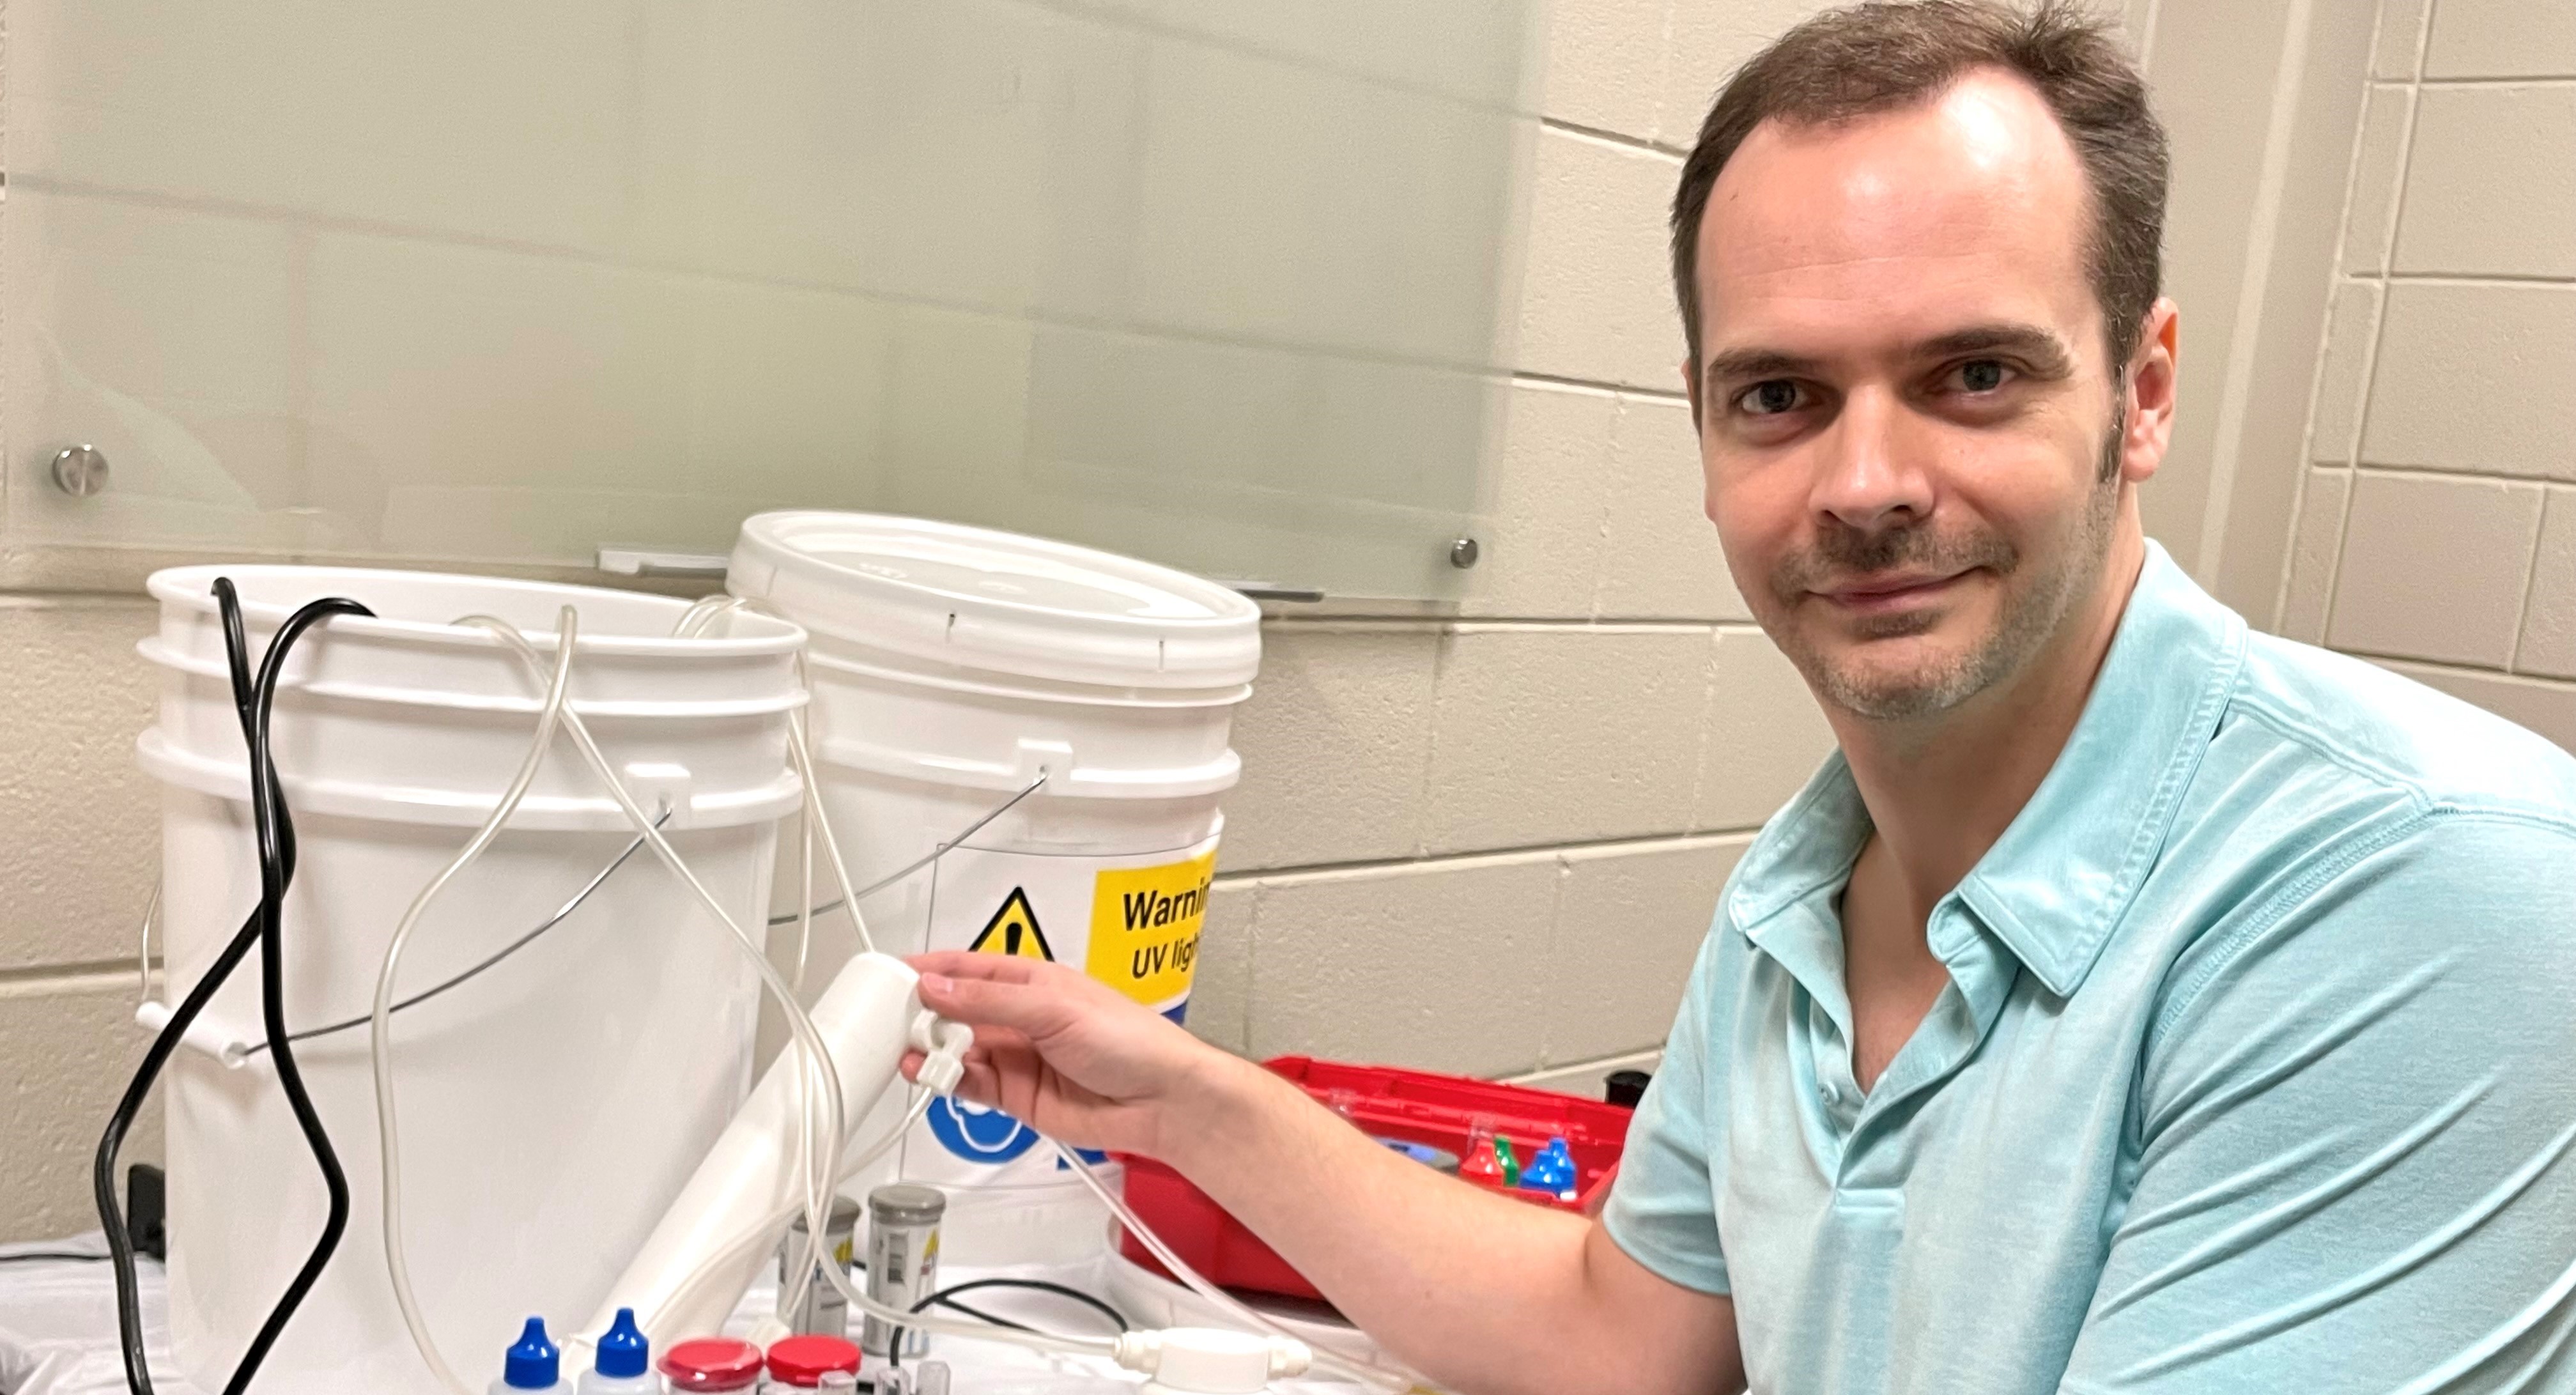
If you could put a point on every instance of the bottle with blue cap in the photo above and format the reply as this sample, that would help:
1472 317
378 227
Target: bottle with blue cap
532 1364
624 1365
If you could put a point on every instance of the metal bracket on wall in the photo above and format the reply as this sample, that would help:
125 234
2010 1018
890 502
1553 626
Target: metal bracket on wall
1271 590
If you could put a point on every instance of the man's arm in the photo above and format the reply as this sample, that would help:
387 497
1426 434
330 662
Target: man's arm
2357 1132
1480 1292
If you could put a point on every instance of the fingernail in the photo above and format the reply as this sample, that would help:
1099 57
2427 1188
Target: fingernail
936 983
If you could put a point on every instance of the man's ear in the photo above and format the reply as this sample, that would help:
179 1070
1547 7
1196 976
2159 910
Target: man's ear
2153 381
1690 388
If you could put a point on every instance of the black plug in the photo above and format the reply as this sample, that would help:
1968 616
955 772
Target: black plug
146 1207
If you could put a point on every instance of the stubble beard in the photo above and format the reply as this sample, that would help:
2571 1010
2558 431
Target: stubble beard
2033 610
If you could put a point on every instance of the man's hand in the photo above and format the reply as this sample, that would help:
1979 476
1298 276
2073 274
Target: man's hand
1066 1053
1556 1305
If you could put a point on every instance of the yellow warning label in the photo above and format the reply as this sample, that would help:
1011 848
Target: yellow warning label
1145 927
1014 930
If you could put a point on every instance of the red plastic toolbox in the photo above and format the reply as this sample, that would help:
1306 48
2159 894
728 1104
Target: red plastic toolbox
1411 1105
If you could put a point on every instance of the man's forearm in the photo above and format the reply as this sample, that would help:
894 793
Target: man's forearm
1481 1292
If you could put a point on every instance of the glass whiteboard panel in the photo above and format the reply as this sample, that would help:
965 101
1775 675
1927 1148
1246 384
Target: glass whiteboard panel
1223 283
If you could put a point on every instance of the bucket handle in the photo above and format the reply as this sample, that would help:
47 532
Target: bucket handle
234 1053
937 852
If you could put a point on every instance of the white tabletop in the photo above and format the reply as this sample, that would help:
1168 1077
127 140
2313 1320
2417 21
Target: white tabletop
58 1328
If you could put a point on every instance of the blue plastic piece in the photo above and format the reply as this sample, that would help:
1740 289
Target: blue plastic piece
1552 1170
622 1348
534 1364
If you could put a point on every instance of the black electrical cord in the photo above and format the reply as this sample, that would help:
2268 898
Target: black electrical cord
947 1298
59 1256
252 701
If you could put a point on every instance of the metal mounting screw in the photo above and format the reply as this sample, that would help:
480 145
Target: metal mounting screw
1463 553
80 471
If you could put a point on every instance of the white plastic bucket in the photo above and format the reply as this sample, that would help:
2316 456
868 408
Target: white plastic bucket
954 667
552 1105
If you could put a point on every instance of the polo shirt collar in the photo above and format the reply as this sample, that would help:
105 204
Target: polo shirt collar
2054 886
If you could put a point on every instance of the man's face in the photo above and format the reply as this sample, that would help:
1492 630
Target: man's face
1909 425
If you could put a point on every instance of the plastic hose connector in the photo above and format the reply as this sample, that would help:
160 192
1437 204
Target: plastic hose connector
1212 1361
943 1045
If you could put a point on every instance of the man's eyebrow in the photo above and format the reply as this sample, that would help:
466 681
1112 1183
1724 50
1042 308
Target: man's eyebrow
1735 365
2043 353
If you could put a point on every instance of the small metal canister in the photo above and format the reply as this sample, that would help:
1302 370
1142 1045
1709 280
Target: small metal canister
824 1310
903 1259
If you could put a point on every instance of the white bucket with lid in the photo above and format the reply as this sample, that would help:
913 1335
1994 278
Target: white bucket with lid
953 668
552 1105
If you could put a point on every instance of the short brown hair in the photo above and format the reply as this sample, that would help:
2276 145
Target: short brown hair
1884 54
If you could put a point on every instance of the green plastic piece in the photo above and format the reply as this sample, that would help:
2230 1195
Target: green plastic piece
1511 1164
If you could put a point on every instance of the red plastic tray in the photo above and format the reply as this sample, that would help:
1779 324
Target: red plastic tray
1386 1102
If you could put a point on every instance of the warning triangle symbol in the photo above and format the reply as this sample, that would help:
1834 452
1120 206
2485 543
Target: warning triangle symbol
1014 930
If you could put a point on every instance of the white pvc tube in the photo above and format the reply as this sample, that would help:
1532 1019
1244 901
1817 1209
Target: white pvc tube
752 1174
759 1237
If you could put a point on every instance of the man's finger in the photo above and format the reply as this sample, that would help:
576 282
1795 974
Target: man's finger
986 1003
962 963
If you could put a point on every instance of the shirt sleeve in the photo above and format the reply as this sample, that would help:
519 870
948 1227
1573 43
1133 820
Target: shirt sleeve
1663 1207
2356 1135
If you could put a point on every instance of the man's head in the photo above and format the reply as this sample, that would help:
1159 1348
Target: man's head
1917 255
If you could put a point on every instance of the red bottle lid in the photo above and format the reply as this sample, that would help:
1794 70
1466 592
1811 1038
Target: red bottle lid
803 1360
712 1363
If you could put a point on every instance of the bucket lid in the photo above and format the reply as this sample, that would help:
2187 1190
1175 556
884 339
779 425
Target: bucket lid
1004 602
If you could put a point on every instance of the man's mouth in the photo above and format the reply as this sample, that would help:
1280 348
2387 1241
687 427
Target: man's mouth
1887 592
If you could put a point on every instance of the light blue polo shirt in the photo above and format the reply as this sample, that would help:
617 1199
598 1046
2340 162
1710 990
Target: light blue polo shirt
2256 1071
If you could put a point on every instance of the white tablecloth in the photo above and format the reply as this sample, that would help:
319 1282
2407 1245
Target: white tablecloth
58 1331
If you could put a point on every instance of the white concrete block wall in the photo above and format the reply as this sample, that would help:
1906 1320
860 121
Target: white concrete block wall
2430 534
1484 841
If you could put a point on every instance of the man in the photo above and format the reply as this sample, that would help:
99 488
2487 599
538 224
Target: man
2134 1003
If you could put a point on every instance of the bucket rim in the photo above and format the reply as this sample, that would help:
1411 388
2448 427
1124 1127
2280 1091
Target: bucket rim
963 680
787 697
173 763
1230 610
813 566
191 588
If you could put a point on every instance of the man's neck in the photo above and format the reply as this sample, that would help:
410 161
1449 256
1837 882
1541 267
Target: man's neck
1941 792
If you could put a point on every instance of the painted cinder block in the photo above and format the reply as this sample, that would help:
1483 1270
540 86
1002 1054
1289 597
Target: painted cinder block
1629 925
1560 734
84 820
2433 568
1335 742
2491 182
1597 303
2474 377
1437 965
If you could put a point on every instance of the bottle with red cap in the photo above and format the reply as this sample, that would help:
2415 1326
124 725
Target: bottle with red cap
800 1363
713 1363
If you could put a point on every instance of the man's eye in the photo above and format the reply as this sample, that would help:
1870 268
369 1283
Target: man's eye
1980 375
1771 398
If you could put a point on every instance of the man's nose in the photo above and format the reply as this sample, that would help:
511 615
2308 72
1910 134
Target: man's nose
1866 476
